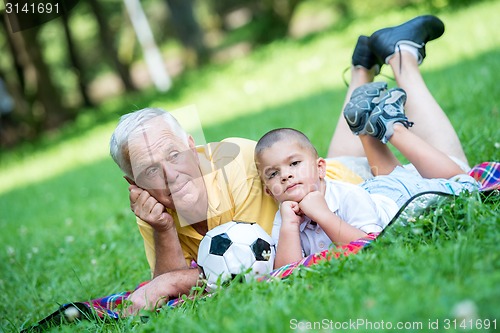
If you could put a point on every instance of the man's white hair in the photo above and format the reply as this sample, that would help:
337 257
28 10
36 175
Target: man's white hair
129 123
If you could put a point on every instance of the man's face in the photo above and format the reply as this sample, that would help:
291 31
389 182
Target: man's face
166 166
290 171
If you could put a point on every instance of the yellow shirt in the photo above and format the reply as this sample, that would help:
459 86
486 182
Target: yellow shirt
235 193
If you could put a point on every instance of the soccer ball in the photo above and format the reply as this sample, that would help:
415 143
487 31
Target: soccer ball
233 248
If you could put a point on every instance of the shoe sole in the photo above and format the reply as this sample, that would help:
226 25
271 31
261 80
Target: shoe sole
379 126
361 104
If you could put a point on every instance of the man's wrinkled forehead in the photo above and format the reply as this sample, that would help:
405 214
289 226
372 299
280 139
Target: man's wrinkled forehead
155 135
153 132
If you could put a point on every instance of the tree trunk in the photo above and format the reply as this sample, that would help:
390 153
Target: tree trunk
17 64
187 28
275 17
108 45
152 55
75 61
51 112
37 101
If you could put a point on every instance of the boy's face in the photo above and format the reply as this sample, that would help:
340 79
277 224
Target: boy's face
290 171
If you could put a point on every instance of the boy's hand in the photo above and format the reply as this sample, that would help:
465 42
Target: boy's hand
290 213
148 209
314 205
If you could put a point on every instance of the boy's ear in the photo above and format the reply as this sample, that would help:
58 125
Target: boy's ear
321 167
129 180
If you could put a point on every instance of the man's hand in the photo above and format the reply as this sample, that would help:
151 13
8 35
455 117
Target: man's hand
159 290
148 297
168 250
148 209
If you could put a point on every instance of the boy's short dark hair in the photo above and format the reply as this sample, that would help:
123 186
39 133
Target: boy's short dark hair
290 134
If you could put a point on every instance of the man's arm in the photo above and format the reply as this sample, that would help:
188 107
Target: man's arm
162 288
168 251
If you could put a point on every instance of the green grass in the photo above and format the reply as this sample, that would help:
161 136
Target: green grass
68 235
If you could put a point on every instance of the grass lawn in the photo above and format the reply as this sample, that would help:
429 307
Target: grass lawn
68 234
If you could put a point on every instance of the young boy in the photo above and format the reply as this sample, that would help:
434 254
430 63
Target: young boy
315 211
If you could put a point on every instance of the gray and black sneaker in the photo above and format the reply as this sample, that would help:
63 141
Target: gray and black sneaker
416 32
363 100
387 112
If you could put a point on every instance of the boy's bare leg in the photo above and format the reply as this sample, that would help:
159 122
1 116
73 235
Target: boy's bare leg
343 142
380 158
429 161
431 123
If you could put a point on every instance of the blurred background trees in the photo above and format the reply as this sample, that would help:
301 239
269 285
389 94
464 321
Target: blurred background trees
51 73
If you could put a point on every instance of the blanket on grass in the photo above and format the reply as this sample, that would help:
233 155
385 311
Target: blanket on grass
487 174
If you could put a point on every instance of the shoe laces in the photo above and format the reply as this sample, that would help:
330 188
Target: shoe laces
349 67
406 123
400 59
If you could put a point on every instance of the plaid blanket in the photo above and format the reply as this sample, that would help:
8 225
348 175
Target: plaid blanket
487 174
345 250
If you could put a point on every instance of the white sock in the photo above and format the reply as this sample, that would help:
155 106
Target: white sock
407 46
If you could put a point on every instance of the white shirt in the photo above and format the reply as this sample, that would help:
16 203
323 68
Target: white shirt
353 205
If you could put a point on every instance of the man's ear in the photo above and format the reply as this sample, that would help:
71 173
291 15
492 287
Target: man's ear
192 147
321 167
191 142
129 180
268 192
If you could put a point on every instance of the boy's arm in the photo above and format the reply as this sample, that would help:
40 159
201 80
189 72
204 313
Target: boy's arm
289 249
339 231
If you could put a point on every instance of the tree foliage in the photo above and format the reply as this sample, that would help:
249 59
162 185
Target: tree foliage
67 66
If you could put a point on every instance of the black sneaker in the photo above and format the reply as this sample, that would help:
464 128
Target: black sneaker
363 100
416 32
387 112
364 57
